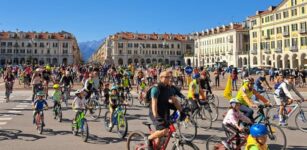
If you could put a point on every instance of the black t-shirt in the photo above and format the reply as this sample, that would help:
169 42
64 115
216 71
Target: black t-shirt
46 75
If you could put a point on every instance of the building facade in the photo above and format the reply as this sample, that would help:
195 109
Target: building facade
224 45
39 48
125 48
279 35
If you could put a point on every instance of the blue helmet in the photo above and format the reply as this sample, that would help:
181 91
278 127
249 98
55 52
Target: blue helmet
196 76
258 130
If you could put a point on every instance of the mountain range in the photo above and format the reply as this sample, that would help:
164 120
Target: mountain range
88 48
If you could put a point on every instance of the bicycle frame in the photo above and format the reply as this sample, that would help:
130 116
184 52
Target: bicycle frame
79 120
242 138
163 146
117 112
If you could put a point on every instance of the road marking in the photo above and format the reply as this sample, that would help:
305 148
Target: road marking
18 108
3 123
6 115
13 111
5 119
22 106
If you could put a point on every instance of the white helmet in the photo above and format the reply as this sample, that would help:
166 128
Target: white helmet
233 100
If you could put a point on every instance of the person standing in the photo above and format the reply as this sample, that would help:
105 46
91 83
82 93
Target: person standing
217 77
234 77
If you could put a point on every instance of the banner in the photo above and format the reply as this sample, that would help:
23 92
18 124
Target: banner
227 91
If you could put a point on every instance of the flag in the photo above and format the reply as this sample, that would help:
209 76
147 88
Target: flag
227 91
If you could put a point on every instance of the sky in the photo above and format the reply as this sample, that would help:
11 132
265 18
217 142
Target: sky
95 19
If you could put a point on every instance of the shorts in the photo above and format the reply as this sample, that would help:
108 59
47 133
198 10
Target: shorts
281 100
160 124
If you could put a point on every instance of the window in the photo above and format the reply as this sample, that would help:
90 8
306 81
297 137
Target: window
3 43
262 20
160 45
178 46
303 41
303 25
286 14
135 52
22 44
9 44
293 2
35 51
29 51
278 16
41 45
286 28
272 31
120 52
2 51
9 51
65 51
254 34
294 42
278 30
271 18
254 22
48 51
65 45
262 33
293 12
129 52
120 45
255 46
294 27
303 10
136 45
129 45
178 53
147 45
272 44
287 42
279 44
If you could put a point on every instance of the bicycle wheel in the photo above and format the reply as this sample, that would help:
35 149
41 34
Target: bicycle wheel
95 109
84 130
184 145
214 99
136 141
122 125
203 118
39 123
124 107
107 121
188 129
214 143
301 120
272 113
276 137
214 111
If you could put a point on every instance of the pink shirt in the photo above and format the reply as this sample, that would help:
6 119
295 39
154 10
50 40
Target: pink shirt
233 117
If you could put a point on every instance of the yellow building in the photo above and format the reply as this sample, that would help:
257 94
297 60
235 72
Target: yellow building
278 36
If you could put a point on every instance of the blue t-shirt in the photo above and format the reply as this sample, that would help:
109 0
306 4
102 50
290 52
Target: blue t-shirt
39 104
258 83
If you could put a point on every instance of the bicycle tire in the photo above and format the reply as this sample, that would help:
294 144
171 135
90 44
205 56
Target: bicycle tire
213 142
202 118
272 137
119 121
85 130
185 124
301 115
141 140
184 145
107 121
96 106
74 129
130 99
215 112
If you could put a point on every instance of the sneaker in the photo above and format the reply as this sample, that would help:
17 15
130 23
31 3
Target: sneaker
226 145
283 123
110 125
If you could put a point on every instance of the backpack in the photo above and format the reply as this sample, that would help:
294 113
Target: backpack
148 94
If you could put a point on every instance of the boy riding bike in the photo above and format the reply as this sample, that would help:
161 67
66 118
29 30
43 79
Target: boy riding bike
56 96
113 102
78 105
39 104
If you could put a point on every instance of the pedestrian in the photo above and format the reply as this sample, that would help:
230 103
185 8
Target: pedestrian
234 77
217 77
272 74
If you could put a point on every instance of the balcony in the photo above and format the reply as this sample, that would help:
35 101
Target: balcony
285 33
207 54
223 52
217 53
254 51
278 50
267 51
267 37
294 49
212 54
230 40
230 52
303 31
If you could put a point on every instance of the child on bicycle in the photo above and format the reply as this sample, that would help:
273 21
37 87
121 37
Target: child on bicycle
231 122
106 92
142 88
113 102
56 96
38 105
78 105
257 138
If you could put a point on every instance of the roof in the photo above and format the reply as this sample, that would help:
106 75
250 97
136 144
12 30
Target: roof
34 35
222 29
153 36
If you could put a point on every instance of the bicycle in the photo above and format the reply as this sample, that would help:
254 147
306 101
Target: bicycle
136 139
93 106
118 119
260 118
81 124
39 120
300 117
129 97
57 112
66 94
202 115
214 99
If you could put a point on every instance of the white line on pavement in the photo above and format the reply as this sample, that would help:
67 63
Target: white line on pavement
17 108
13 111
4 119
22 106
3 123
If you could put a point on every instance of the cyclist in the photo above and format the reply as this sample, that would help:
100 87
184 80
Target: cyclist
38 105
159 110
36 82
259 84
231 122
56 96
126 83
9 79
113 102
283 97
195 92
46 74
244 96
143 86
140 75
67 81
78 105
257 138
